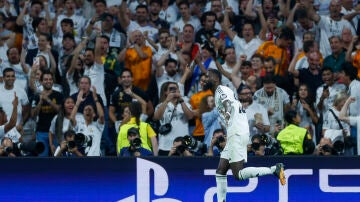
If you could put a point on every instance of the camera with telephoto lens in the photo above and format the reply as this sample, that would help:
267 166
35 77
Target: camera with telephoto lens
272 146
136 143
83 140
29 148
194 145
71 144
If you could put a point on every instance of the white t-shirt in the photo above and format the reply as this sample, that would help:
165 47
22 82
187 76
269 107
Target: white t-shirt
302 63
96 74
169 15
93 130
79 24
243 48
335 89
179 124
331 28
21 80
151 31
253 109
179 24
7 97
165 78
276 102
354 91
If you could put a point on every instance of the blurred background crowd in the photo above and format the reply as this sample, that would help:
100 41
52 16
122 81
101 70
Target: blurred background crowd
137 77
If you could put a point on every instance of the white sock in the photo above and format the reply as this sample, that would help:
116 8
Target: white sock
250 172
221 185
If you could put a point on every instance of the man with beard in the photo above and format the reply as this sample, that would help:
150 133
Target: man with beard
155 7
94 67
124 95
256 114
326 93
248 44
141 22
169 73
274 99
20 69
310 76
208 29
45 106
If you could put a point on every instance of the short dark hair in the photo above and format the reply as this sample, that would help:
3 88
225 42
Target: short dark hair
268 79
349 70
178 139
36 21
8 69
219 130
246 63
46 72
47 36
142 6
9 49
206 14
308 45
170 60
156 1
216 73
69 36
37 2
183 2
100 1
86 77
105 37
286 33
126 70
67 21
289 116
326 68
270 59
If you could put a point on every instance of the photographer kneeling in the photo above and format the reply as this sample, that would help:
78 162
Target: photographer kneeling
69 146
13 149
179 148
135 148
217 143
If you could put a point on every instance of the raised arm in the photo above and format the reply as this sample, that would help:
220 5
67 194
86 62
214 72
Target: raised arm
98 50
124 19
343 112
235 79
292 69
290 20
99 108
348 56
225 26
264 25
20 19
249 13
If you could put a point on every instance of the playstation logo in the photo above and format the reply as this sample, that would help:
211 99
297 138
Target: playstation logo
161 183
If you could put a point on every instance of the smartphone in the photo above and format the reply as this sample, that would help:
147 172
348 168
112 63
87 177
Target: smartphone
36 61
172 89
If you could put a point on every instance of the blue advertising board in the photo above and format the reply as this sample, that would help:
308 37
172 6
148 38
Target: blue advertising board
174 180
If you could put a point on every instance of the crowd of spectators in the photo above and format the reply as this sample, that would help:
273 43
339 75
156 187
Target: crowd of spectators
137 77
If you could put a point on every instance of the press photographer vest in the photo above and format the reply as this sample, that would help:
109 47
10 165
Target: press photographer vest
291 139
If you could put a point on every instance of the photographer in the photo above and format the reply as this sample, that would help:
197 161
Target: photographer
217 144
179 148
135 148
294 139
257 146
13 149
68 147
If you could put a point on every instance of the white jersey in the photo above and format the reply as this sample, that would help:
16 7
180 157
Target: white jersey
237 122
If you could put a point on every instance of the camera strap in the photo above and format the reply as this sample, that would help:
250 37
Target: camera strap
172 113
337 119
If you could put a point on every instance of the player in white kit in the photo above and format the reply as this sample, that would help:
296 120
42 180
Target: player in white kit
234 154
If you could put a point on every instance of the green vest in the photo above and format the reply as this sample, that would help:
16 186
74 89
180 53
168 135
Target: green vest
291 139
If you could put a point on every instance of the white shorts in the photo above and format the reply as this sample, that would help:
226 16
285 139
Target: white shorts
236 148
